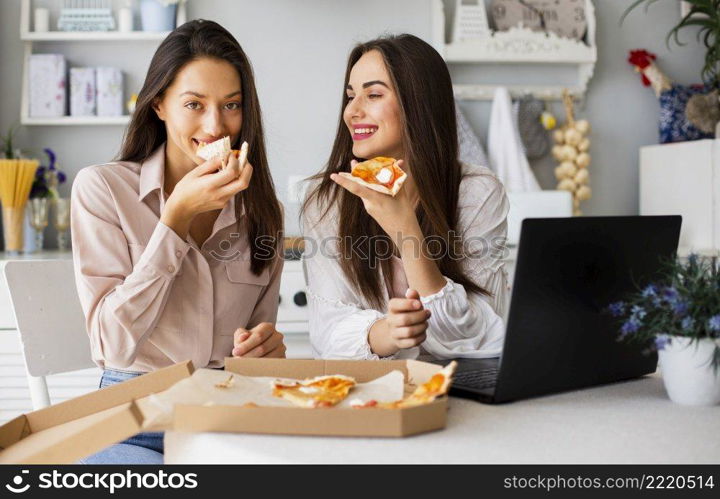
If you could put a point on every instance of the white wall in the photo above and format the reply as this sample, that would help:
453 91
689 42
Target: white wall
298 49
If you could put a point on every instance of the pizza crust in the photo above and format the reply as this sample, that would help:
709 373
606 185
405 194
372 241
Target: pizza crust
435 387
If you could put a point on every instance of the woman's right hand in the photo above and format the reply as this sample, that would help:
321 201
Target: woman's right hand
203 189
404 326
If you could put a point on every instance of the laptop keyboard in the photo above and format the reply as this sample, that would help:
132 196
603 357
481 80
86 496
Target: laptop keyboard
484 378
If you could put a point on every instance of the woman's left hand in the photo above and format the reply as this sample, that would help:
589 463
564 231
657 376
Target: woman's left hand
396 215
261 341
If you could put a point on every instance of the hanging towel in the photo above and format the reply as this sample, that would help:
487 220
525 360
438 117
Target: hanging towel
470 149
505 147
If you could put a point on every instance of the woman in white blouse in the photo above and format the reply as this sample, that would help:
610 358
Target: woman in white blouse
389 276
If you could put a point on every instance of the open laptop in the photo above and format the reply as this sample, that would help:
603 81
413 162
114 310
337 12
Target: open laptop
558 336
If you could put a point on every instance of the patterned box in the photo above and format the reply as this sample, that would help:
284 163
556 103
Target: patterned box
47 82
82 91
109 91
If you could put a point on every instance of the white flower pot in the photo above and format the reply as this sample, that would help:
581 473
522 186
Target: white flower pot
688 373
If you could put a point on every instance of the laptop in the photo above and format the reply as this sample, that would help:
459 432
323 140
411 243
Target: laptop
558 336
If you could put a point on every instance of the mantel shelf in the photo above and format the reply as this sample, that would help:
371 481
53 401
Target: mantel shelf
78 120
85 36
521 46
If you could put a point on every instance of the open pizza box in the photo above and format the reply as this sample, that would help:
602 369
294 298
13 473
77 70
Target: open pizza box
335 421
68 431
71 430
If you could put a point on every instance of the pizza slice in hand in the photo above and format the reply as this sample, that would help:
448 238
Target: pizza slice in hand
322 391
222 148
379 174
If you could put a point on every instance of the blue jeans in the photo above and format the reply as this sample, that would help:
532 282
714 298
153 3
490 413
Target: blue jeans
143 448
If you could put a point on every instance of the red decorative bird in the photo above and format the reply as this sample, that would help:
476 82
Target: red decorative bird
643 62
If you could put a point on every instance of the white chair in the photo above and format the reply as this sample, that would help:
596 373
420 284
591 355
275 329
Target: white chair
49 320
535 204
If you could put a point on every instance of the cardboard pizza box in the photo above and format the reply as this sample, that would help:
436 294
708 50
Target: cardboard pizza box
76 428
368 422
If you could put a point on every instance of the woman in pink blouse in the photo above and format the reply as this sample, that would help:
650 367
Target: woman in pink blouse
421 271
175 260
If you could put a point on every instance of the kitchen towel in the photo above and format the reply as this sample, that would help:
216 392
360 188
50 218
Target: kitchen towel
505 147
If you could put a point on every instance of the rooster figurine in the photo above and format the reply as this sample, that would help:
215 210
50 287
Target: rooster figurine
674 123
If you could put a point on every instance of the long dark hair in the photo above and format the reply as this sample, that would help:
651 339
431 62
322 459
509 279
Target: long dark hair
194 40
424 89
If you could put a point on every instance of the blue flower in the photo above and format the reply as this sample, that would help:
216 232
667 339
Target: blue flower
51 156
661 342
670 295
649 291
631 326
688 323
638 312
680 308
61 177
713 323
40 172
616 309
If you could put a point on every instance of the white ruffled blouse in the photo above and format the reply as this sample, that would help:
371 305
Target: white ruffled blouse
462 324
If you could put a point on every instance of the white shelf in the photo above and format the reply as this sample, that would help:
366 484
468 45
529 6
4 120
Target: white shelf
29 38
519 45
78 120
64 36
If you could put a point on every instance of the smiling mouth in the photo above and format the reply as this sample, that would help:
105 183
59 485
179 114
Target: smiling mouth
363 133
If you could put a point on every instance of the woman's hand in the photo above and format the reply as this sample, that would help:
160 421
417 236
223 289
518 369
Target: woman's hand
396 215
404 326
203 189
261 341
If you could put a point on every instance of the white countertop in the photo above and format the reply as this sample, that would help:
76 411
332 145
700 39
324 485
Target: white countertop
40 255
630 422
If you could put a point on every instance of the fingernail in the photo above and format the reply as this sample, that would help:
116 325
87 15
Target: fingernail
418 304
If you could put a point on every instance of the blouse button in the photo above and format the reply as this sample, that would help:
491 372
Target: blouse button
171 268
178 253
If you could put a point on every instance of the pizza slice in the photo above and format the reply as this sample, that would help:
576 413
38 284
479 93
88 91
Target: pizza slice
433 388
222 148
322 391
379 174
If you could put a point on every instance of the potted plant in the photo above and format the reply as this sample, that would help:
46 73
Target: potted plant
16 179
679 316
8 149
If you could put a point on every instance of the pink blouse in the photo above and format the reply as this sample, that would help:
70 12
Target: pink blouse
151 298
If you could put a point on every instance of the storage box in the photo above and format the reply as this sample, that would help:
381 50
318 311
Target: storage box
66 432
684 179
82 92
47 82
109 91
367 422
